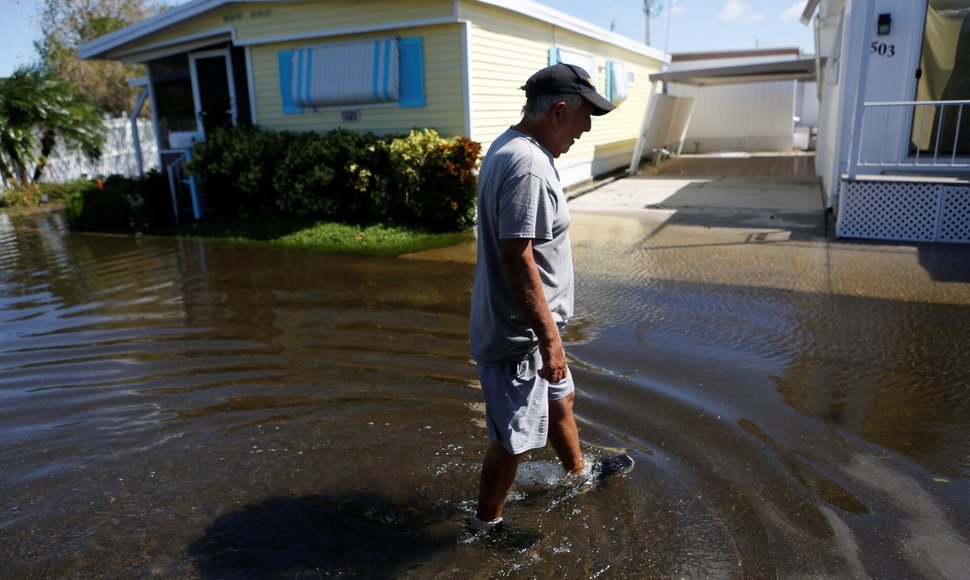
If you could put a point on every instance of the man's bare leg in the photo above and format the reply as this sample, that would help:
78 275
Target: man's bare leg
564 435
498 475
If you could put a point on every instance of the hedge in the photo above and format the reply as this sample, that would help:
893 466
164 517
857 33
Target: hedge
120 204
420 179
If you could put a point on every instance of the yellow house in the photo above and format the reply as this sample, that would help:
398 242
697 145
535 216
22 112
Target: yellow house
384 66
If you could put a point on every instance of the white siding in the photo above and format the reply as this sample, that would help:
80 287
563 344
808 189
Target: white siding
507 48
740 117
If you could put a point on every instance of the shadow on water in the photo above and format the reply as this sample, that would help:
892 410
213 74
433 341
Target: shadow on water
345 534
946 262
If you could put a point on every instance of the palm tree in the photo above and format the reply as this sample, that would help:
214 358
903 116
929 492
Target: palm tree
35 109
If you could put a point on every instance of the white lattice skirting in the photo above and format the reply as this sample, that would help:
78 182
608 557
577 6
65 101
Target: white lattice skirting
904 211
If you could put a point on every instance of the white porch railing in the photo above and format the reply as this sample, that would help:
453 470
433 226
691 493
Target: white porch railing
888 132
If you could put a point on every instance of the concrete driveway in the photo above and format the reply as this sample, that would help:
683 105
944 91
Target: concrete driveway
758 192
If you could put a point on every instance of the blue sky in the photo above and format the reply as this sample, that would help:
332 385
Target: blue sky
693 25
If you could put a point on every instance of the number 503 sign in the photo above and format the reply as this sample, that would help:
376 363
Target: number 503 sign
883 49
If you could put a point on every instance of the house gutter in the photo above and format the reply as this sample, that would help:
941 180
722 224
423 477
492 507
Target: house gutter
809 10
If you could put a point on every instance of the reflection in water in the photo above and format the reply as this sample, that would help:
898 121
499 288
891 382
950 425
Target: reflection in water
174 408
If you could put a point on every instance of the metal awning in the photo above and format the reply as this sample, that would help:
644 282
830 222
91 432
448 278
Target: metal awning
785 70
781 70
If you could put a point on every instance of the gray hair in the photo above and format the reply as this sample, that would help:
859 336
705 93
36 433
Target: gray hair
536 107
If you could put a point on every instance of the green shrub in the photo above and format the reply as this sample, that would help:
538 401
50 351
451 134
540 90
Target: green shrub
237 166
435 183
52 191
151 201
327 176
13 198
60 191
420 179
97 208
120 204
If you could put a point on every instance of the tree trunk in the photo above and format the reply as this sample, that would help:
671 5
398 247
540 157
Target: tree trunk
46 146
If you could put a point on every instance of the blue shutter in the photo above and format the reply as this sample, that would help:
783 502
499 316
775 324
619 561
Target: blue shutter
286 83
411 77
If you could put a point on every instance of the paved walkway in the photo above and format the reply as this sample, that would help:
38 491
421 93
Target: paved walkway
775 192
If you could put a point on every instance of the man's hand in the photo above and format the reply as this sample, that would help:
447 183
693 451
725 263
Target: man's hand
553 362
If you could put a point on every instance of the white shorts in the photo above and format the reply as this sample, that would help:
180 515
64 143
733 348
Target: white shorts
517 402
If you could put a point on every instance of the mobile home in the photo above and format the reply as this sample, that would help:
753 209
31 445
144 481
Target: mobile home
894 124
382 66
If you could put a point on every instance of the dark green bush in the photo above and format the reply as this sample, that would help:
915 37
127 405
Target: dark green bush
120 204
327 176
97 208
420 180
237 166
151 202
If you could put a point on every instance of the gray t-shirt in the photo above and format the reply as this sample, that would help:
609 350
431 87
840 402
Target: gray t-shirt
519 196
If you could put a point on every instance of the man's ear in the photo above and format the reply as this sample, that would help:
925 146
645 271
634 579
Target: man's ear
557 110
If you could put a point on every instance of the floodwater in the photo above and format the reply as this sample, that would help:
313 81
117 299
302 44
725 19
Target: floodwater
177 409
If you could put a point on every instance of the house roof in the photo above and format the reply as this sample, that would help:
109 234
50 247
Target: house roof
725 54
799 69
100 47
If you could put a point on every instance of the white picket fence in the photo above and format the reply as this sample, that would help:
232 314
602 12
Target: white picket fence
118 154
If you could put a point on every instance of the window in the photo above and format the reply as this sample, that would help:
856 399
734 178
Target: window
365 72
580 59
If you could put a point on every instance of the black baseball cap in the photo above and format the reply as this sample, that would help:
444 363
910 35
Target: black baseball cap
566 79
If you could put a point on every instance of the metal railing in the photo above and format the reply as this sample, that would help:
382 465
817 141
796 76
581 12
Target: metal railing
912 135
182 186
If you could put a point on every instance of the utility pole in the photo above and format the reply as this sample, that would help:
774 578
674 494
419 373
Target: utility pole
651 8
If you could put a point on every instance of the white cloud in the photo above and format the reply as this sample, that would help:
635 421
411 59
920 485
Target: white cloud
794 12
739 11
677 9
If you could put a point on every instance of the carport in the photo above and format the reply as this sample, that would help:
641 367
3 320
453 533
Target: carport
668 117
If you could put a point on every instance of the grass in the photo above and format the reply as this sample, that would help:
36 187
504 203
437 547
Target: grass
272 231
335 238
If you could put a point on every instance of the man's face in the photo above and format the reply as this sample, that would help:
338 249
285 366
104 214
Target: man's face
570 124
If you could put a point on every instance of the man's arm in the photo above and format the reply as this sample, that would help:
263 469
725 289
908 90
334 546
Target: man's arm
523 277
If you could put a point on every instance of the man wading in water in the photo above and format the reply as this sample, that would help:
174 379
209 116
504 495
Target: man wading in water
523 290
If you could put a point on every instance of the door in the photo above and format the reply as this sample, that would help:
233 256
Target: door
213 89
944 76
